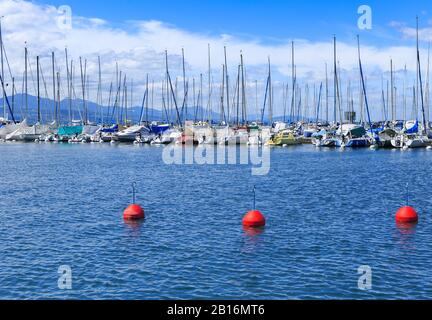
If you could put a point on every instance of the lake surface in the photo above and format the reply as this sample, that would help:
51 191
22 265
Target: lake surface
328 213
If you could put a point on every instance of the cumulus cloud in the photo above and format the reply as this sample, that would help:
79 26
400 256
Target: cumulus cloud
139 50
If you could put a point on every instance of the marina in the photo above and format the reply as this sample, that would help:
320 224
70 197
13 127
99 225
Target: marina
114 123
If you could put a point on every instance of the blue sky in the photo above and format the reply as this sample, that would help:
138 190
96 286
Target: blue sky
271 21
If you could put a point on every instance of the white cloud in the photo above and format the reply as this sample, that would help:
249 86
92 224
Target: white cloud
141 51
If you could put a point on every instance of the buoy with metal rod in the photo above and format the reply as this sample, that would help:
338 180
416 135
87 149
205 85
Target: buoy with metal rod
134 211
407 214
254 218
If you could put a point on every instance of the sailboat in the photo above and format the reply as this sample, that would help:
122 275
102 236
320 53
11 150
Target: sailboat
354 136
284 138
383 138
24 132
262 135
414 135
332 138
7 127
410 137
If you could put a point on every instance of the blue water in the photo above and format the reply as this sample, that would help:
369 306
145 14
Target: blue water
328 213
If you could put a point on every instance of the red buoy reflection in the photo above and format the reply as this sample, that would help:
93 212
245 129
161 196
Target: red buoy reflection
406 229
253 232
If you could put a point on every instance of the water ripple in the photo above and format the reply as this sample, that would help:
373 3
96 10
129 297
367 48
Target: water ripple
328 213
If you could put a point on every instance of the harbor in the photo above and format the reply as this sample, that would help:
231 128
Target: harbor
187 119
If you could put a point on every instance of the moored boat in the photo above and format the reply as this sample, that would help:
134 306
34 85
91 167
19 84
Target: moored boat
284 138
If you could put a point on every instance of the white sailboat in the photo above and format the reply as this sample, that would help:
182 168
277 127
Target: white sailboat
130 135
26 133
7 128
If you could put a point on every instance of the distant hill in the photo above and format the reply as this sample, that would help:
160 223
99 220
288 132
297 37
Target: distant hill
95 111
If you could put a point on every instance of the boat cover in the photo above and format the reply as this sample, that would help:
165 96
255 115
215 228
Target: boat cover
412 128
70 131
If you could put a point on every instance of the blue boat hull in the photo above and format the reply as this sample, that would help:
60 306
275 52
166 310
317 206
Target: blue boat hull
157 130
358 143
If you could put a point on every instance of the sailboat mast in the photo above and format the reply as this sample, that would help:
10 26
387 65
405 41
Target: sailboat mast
83 89
319 103
392 90
421 84
293 82
117 104
26 79
38 91
72 89
54 84
172 90
152 99
58 100
2 67
201 96
337 100
69 86
132 97
238 96
222 96
125 100
361 99
117 88
195 100
13 95
209 106
244 114
227 85
100 91
363 84
147 100
335 80
404 94
85 84
427 86
327 94
256 100
270 93
184 87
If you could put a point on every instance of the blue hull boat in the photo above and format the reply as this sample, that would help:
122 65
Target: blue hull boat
358 143
159 129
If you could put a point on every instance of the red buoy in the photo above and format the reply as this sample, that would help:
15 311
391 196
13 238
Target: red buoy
407 215
134 212
254 219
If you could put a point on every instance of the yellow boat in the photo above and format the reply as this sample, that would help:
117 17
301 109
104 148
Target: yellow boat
283 138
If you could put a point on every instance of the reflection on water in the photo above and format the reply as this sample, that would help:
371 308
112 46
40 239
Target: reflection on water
134 227
406 235
253 238
253 232
407 229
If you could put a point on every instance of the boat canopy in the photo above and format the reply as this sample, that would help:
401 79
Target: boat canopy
412 127
353 130
159 128
322 133
357 132
90 129
112 129
70 131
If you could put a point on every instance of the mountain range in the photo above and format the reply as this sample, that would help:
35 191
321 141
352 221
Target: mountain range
96 111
